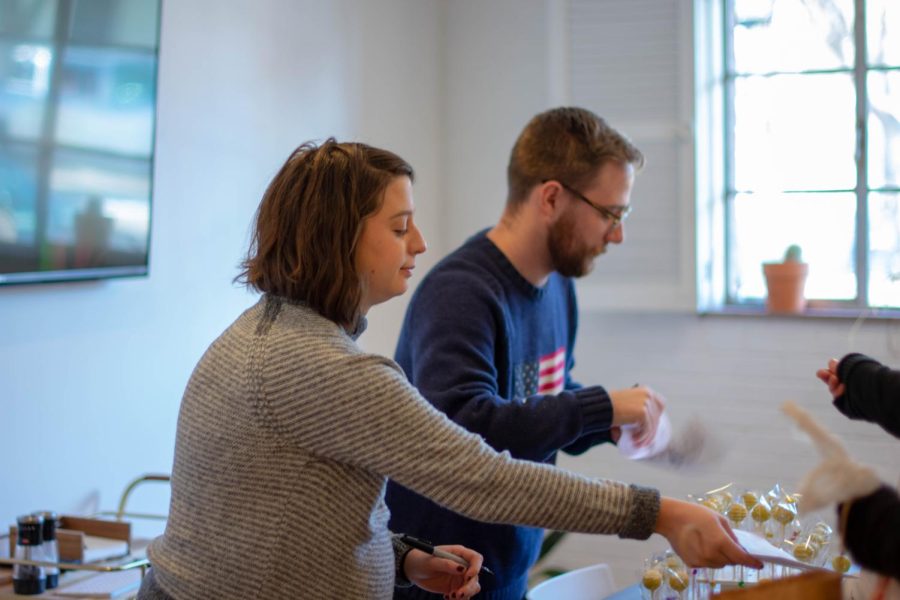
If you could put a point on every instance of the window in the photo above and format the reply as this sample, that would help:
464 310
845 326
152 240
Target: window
798 109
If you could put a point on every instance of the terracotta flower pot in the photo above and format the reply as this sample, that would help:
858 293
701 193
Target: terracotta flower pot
785 282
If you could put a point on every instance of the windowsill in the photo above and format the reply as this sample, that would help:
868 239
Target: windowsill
813 311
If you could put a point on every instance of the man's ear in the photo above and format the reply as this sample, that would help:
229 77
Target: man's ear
549 198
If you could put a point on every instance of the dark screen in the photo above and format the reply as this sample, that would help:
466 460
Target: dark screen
77 120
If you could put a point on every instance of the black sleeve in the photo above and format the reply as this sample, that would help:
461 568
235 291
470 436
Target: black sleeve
401 549
873 531
586 442
872 392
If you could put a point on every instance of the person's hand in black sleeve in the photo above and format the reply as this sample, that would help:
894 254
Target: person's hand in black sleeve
864 389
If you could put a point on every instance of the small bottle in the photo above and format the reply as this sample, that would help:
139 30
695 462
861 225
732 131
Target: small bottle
29 579
49 549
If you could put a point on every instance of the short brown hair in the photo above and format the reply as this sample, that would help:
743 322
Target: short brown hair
567 143
309 222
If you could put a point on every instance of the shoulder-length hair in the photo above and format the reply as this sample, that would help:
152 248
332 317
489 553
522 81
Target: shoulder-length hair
309 222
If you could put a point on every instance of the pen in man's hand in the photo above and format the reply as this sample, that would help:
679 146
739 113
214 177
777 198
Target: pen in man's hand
429 548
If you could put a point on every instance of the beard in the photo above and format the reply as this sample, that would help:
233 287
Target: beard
570 257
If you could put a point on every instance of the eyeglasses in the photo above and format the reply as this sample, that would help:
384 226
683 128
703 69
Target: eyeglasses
616 218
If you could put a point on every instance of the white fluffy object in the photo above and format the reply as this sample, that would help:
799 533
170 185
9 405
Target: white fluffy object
838 477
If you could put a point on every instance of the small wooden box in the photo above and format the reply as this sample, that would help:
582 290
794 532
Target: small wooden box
71 532
816 585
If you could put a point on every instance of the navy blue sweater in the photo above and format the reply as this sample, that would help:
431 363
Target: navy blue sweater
494 353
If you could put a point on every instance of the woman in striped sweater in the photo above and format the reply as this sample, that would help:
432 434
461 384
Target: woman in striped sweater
288 430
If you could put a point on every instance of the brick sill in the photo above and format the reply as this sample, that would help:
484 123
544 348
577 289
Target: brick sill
813 311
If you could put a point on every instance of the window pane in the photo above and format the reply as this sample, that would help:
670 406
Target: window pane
18 192
115 22
752 10
795 132
28 18
764 225
884 129
106 100
884 249
24 83
792 35
883 30
99 208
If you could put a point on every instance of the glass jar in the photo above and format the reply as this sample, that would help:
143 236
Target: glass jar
29 580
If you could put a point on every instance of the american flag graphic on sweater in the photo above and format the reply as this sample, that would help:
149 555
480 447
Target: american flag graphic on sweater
547 375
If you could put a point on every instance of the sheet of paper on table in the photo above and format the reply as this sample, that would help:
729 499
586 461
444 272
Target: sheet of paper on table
760 548
100 548
102 585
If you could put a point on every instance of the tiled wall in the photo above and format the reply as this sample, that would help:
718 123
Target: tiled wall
733 372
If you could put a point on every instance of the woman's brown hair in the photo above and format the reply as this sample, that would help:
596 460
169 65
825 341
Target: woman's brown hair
309 222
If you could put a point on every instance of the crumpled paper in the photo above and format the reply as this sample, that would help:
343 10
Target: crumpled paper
691 446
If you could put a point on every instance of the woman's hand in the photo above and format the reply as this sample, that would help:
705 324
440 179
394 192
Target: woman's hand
443 576
701 537
830 377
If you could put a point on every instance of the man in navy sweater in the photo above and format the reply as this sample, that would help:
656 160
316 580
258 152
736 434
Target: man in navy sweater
489 333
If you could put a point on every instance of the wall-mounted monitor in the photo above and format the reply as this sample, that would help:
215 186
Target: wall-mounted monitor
77 121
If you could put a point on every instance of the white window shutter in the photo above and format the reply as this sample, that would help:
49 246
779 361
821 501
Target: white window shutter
631 62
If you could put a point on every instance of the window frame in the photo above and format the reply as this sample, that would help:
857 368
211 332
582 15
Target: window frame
715 174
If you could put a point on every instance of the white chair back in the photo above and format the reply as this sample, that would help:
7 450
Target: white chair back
588 583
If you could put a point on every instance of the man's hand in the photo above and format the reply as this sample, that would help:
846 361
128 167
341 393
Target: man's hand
639 407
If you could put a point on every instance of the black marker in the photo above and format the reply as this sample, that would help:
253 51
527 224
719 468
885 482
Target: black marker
429 548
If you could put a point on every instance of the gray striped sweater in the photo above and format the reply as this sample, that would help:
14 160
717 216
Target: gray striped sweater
286 436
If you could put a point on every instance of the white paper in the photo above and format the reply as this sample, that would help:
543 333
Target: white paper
100 548
659 443
760 548
692 447
103 585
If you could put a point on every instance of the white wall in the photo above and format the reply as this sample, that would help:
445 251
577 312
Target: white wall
734 373
91 374
496 78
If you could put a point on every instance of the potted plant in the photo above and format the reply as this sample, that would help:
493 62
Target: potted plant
785 281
